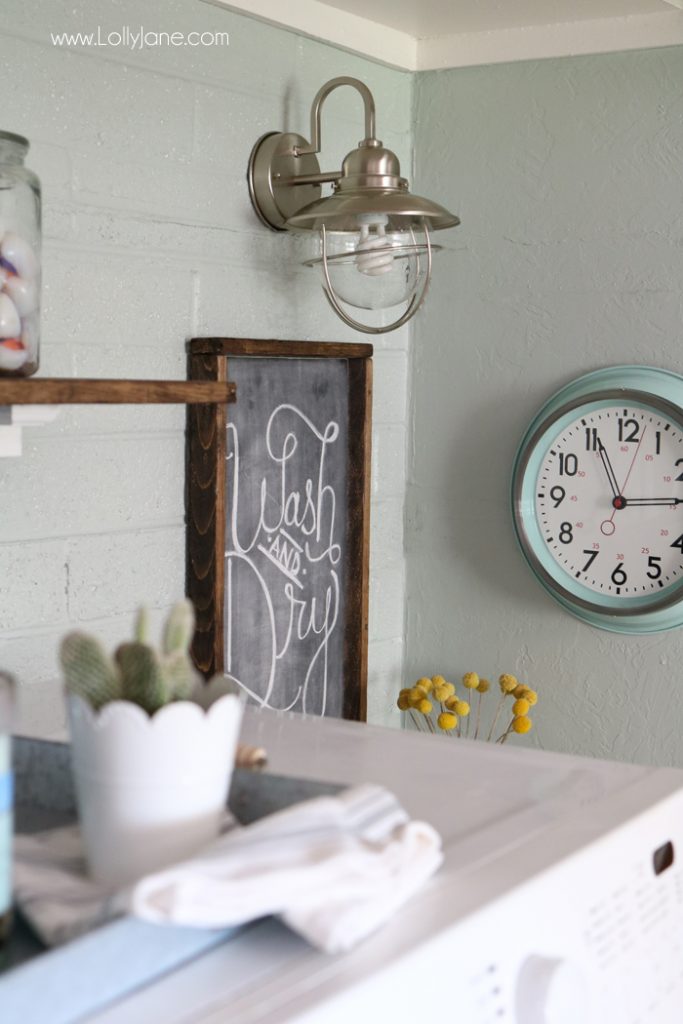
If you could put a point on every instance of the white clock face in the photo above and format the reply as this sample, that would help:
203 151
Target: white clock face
609 501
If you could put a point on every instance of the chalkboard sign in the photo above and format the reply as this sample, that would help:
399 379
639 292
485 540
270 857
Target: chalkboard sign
278 519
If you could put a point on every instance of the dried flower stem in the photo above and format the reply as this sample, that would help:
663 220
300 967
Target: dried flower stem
501 739
476 731
501 702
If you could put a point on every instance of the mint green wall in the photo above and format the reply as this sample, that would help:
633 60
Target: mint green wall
568 177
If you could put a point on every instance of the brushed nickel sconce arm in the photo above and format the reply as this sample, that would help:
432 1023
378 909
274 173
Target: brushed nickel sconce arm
316 112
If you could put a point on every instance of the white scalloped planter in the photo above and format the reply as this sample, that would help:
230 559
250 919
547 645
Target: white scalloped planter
151 791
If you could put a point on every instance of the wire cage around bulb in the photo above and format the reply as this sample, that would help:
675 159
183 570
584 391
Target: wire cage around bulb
373 271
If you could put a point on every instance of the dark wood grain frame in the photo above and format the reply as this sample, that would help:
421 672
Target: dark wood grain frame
206 501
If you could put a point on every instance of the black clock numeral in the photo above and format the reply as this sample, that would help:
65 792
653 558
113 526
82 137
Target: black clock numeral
628 430
653 563
569 464
678 543
678 463
566 535
557 494
591 439
619 577
592 555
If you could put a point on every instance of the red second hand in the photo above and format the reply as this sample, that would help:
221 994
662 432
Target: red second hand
633 462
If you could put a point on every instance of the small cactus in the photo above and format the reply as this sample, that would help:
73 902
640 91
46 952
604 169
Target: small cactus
88 669
138 672
142 676
179 628
141 628
181 675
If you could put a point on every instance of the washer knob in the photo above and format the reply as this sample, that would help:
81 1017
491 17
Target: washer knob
552 992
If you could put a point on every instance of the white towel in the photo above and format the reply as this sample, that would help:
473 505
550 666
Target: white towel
334 869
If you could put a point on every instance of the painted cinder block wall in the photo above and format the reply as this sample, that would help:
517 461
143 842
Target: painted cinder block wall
150 239
568 177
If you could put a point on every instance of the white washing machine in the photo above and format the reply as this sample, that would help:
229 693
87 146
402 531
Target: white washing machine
560 900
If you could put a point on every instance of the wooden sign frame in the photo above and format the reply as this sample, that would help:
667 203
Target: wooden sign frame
209 360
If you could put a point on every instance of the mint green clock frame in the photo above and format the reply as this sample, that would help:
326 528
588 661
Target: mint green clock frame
659 390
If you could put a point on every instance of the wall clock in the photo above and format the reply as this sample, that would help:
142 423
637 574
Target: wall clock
597 498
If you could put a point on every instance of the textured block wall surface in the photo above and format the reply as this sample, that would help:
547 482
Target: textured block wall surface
149 239
568 176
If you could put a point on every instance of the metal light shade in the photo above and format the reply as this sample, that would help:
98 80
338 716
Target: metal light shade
339 212
370 202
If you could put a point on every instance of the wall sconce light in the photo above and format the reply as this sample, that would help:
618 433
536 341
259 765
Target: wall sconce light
375 249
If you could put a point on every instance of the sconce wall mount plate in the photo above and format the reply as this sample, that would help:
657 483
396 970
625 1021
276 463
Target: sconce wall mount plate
272 165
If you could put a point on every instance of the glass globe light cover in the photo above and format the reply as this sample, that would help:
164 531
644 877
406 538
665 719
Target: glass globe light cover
374 268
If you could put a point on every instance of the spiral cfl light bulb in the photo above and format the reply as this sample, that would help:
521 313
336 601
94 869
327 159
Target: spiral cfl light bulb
372 238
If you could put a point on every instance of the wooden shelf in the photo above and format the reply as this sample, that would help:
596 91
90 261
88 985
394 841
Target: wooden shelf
72 391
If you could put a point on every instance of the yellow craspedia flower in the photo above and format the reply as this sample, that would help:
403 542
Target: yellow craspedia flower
450 702
426 683
404 700
521 707
417 693
522 724
443 691
484 686
520 691
507 683
462 708
447 721
437 680
470 680
424 706
531 696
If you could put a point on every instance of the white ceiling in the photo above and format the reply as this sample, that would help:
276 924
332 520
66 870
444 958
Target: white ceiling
424 34
426 18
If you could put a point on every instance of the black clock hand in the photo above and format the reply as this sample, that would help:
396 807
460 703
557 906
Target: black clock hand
651 501
608 468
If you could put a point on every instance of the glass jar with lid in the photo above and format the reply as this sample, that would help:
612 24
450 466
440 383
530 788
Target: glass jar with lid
19 260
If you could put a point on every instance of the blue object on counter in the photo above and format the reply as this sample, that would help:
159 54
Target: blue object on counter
76 980
6 798
6 789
